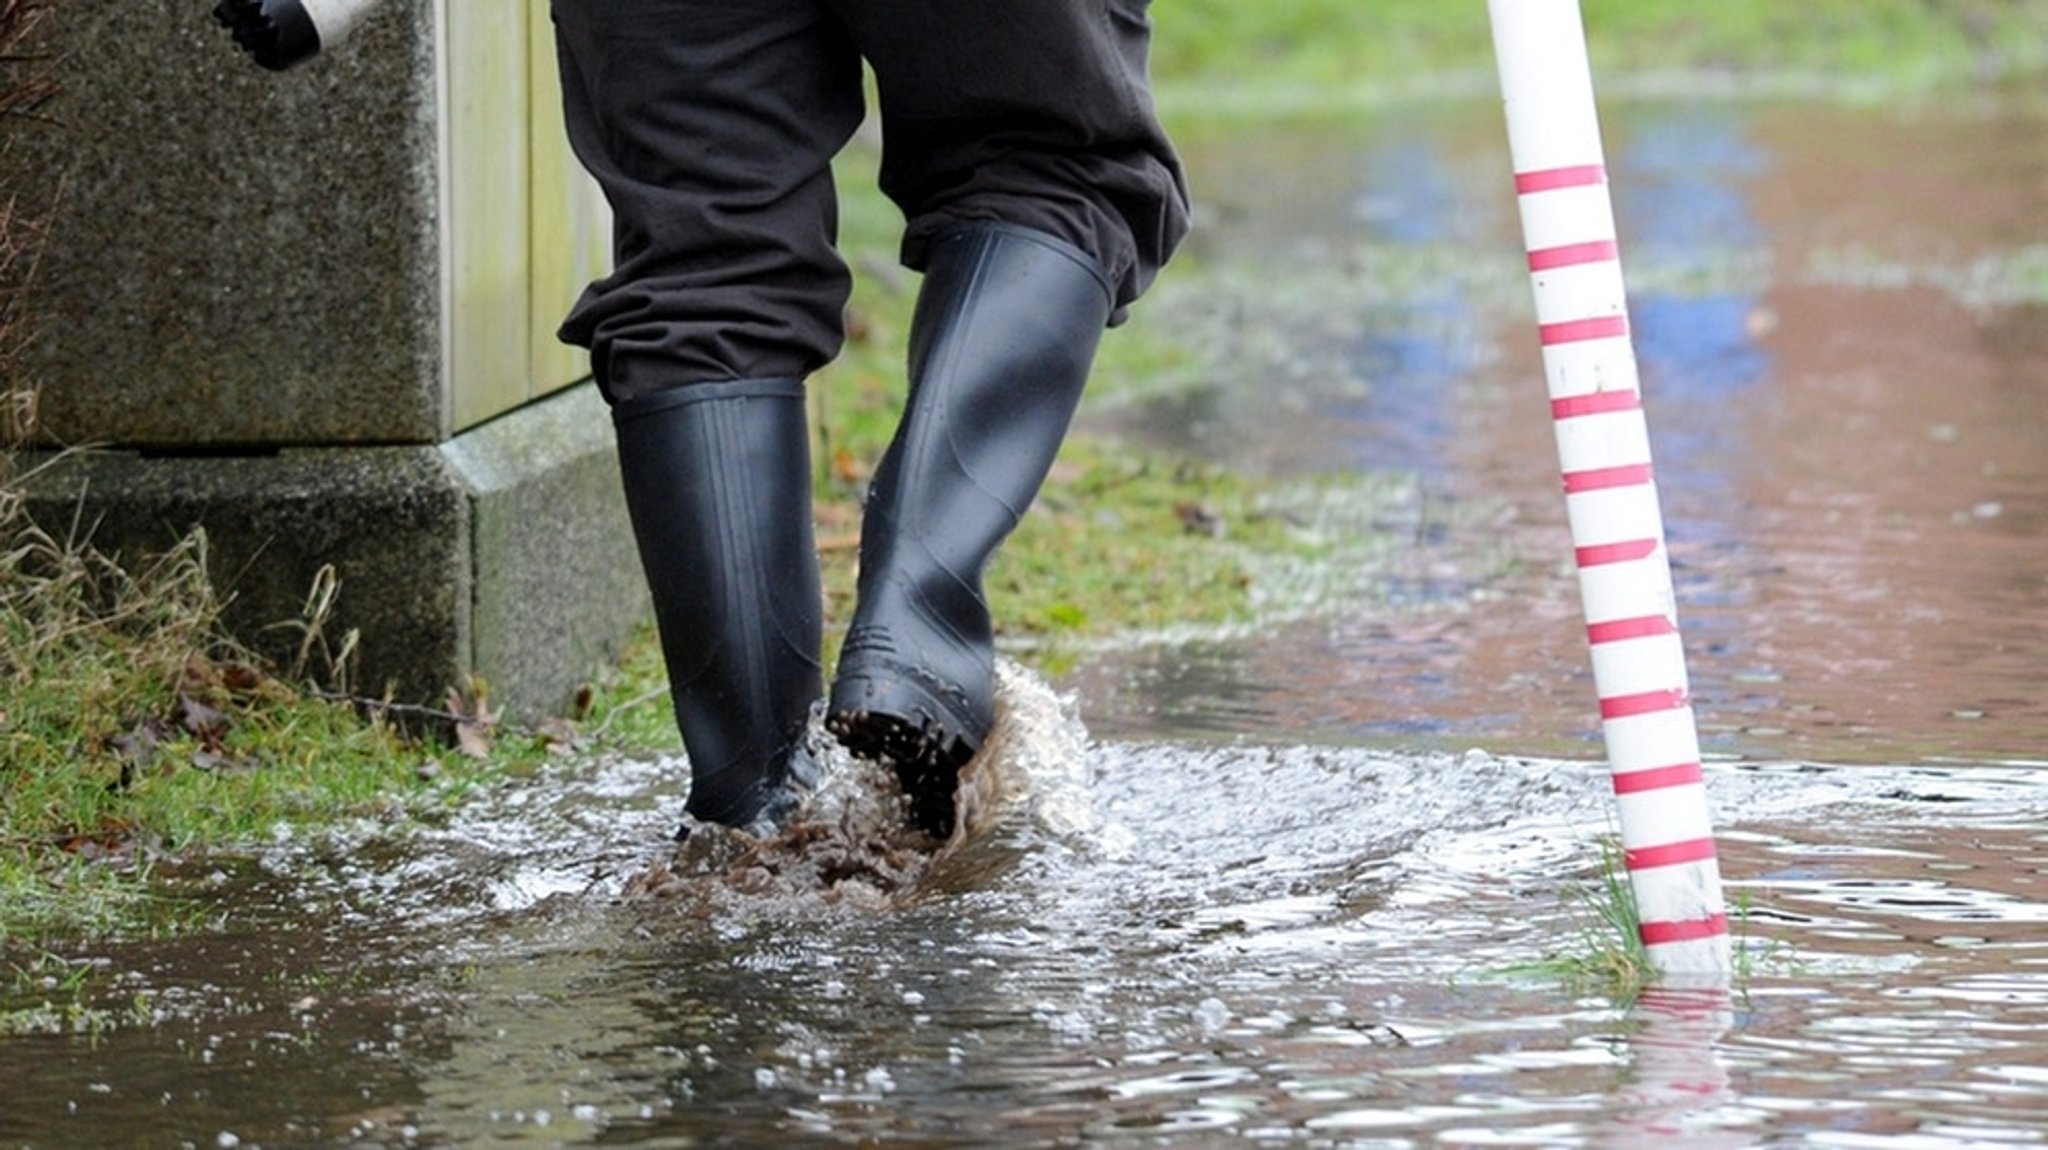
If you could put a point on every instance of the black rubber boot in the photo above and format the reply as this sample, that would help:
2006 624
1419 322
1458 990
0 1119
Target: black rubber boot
1005 330
718 485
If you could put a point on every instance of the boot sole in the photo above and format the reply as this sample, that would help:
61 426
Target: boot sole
894 723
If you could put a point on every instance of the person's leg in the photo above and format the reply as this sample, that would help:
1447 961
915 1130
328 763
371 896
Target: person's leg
711 127
1005 329
1041 197
1032 112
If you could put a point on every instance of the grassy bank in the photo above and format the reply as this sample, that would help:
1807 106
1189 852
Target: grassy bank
1210 51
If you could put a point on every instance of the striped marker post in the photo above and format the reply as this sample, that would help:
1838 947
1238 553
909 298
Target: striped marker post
1603 446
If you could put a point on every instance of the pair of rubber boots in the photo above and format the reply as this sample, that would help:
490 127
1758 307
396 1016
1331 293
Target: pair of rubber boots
717 479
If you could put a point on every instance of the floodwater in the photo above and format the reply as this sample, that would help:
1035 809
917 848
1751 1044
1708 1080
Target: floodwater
1841 318
1284 885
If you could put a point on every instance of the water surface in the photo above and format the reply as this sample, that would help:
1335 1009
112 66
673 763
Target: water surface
1841 317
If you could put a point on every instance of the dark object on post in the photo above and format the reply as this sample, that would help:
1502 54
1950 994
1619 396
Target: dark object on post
281 33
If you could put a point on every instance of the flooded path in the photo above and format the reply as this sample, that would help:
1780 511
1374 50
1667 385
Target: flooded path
1289 889
1300 946
1841 317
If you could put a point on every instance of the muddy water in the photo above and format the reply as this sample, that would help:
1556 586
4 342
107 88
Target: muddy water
1287 890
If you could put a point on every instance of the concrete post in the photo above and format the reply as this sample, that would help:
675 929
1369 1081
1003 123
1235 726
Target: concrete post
313 312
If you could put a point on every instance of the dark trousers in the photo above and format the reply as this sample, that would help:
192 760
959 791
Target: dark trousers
712 124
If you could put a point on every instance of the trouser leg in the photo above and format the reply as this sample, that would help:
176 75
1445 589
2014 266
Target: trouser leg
1034 112
711 127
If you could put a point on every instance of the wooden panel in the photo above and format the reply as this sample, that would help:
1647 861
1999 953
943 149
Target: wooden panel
489 206
571 228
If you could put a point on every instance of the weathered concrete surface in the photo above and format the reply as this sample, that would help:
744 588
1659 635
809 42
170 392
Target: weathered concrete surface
238 258
557 580
503 555
248 298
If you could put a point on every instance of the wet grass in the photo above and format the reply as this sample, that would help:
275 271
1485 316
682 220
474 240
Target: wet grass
45 993
1605 954
134 731
2017 277
1608 954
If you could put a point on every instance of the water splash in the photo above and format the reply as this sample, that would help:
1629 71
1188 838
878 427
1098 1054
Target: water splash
851 843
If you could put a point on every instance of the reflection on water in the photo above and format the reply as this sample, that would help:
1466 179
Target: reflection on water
1274 899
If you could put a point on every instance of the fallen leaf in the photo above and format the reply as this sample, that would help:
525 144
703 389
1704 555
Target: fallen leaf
477 711
1196 519
241 677
133 751
846 467
202 722
857 327
472 740
559 736
214 761
113 840
473 723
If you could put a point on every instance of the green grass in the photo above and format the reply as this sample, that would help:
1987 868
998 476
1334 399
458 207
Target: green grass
1206 48
44 993
1606 955
1610 951
134 732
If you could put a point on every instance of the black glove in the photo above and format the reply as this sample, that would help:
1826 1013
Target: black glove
277 33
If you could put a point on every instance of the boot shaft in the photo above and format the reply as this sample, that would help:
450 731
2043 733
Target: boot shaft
1005 331
717 483
1003 336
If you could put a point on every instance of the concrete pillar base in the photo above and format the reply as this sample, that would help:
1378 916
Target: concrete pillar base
501 555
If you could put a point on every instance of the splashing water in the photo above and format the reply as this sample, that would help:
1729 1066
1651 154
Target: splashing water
853 842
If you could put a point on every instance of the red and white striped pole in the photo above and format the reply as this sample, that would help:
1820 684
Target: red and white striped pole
1603 445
